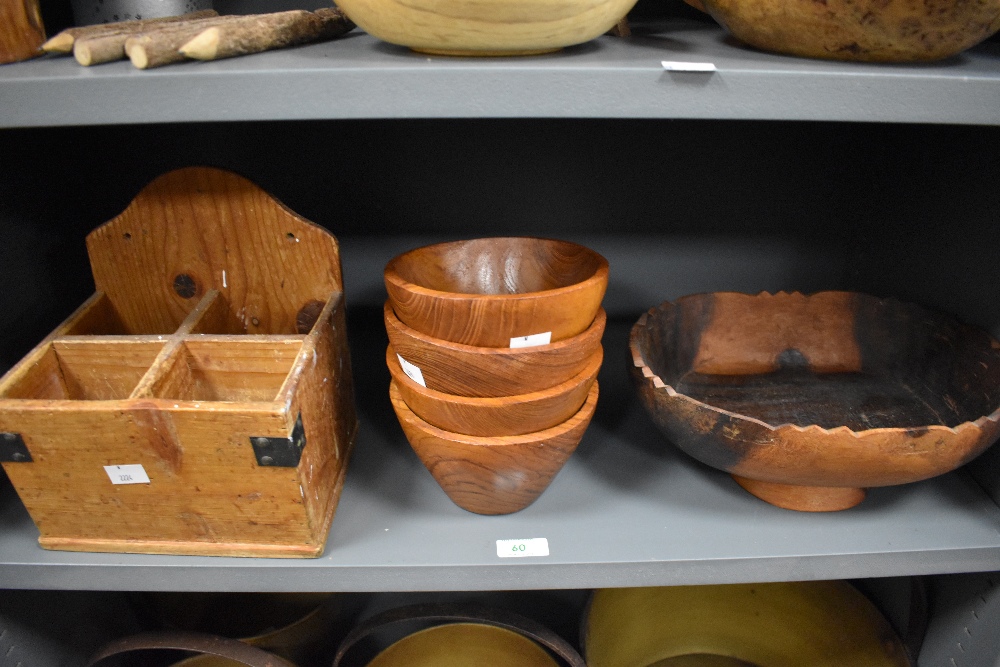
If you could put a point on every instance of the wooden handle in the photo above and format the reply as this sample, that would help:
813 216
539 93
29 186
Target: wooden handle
253 34
463 613
194 642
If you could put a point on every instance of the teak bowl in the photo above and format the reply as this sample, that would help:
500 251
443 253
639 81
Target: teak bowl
866 30
808 400
502 415
462 644
486 27
485 292
497 475
465 370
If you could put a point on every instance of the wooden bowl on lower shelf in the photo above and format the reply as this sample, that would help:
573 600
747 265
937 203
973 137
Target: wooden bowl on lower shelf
485 292
502 415
867 30
799 624
497 475
808 400
465 370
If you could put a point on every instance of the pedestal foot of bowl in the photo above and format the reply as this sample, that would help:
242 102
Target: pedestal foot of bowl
803 498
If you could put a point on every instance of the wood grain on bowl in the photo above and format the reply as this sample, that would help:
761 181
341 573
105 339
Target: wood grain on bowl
866 30
484 28
465 370
501 415
497 475
486 291
892 393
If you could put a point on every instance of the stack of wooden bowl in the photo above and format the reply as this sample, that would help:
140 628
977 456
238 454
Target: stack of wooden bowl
494 349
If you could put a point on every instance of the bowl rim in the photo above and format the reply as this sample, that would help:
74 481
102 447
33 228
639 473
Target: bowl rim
598 324
589 372
391 275
657 383
581 417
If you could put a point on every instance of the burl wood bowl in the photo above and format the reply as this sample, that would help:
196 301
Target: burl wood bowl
497 475
486 27
485 292
867 30
502 415
466 370
808 400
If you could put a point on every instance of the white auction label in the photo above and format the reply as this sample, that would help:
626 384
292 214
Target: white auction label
128 474
535 546
532 341
678 66
411 371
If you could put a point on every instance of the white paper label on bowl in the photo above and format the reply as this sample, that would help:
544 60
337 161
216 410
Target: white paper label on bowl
535 546
411 371
133 473
679 66
532 341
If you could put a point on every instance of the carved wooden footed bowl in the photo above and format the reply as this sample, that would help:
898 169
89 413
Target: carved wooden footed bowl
808 400
868 30
496 475
501 415
485 292
486 27
466 370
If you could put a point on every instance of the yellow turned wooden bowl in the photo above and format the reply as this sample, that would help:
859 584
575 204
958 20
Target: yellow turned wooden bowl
486 27
497 475
814 624
464 645
502 415
466 370
808 400
485 292
867 30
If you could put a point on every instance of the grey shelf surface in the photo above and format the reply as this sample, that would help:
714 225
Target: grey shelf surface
627 510
360 77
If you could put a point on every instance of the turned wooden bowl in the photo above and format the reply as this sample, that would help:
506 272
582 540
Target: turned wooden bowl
808 400
486 27
465 370
497 475
485 292
867 30
501 415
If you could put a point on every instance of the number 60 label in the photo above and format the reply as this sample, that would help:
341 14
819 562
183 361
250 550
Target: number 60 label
536 546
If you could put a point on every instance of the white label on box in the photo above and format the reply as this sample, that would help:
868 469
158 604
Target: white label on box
412 371
536 546
678 66
127 474
532 341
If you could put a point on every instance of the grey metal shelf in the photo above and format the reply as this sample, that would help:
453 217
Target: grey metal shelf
360 77
627 510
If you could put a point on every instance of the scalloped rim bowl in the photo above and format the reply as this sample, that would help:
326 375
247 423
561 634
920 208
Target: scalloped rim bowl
497 475
466 370
468 291
503 415
783 353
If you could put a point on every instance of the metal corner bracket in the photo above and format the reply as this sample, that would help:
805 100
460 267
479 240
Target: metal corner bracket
280 452
13 449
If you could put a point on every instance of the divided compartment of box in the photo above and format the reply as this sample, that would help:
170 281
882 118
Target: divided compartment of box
212 358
